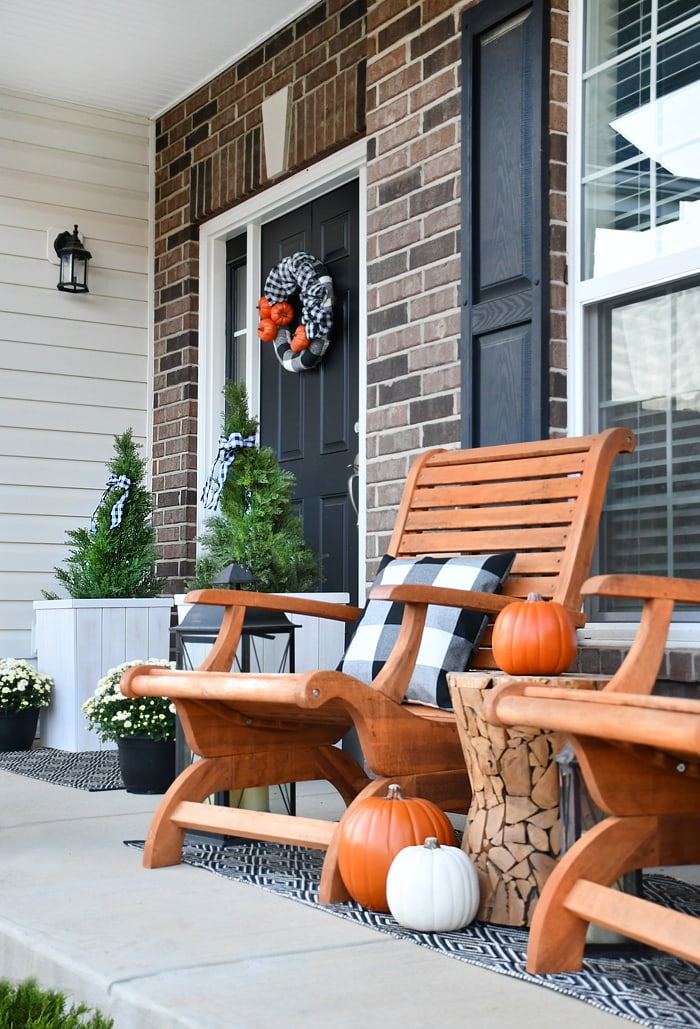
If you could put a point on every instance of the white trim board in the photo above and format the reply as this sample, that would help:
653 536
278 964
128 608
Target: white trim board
344 166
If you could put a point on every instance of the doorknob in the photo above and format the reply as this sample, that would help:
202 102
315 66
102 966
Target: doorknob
354 476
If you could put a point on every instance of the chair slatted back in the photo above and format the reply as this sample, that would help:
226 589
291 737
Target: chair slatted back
541 499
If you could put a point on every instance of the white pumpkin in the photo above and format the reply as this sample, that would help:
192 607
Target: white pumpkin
432 889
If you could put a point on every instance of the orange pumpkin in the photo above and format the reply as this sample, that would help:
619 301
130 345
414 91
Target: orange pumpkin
264 308
267 330
299 340
373 831
282 313
534 637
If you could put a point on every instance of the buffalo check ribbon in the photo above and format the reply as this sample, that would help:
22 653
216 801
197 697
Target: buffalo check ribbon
114 482
228 445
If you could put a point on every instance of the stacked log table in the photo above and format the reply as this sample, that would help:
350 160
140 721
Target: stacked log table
512 831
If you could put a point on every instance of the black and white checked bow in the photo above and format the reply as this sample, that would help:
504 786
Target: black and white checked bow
222 462
122 482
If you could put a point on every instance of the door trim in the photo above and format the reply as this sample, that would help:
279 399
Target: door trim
249 216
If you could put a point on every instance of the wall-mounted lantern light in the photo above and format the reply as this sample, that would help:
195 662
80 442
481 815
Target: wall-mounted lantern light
74 261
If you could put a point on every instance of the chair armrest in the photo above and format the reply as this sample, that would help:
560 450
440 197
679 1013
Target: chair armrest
275 602
236 602
668 724
489 603
643 587
396 674
640 668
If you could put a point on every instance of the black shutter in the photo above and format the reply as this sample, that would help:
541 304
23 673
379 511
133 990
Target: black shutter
505 295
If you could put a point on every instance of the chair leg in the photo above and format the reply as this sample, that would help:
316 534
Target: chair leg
199 781
211 775
606 852
342 771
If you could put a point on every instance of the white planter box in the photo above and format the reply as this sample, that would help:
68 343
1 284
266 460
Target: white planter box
318 642
77 642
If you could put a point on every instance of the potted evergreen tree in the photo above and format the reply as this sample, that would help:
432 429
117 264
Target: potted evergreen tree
256 527
115 611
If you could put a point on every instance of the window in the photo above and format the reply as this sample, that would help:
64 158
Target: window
649 380
236 314
640 213
641 155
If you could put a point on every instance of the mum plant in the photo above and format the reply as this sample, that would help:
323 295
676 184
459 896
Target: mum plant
113 716
22 688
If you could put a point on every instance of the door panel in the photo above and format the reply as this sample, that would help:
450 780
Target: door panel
309 418
504 272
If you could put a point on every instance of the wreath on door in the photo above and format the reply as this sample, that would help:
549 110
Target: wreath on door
306 347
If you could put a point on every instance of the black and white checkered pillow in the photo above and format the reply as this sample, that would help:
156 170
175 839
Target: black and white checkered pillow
451 634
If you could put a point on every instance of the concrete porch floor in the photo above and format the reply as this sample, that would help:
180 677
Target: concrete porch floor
180 947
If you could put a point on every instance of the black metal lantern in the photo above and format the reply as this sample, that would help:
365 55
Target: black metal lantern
74 261
233 577
578 813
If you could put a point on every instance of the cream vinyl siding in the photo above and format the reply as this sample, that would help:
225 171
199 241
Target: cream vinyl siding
74 370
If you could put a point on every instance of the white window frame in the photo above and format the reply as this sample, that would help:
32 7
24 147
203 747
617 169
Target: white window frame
585 295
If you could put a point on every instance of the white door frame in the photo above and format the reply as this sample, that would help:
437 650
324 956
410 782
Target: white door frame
249 217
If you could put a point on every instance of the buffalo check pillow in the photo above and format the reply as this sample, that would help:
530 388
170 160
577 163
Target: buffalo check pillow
451 634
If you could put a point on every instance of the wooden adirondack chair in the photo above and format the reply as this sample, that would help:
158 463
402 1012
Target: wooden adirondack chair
640 759
540 499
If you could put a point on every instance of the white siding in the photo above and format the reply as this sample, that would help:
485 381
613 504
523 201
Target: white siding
74 370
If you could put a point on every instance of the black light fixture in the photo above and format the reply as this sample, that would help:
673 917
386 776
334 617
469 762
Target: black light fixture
74 260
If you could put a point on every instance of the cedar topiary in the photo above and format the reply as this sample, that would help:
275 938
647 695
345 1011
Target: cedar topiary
256 525
117 561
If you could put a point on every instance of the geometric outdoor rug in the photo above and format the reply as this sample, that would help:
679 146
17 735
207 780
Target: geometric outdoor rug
637 983
93 770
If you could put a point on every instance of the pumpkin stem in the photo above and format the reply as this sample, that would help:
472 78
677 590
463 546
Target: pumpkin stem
394 792
431 843
534 598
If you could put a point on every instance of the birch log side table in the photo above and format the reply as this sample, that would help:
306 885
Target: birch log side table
512 832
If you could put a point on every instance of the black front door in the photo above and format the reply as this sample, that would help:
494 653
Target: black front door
310 418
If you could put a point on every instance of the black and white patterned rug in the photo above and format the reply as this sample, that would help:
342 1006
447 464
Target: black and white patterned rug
93 770
639 984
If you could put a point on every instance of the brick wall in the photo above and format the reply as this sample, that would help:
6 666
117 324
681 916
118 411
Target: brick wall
209 156
413 256
392 74
413 253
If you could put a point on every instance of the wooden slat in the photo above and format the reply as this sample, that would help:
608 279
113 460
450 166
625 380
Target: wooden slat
468 519
639 919
477 469
520 587
529 448
257 825
530 491
481 542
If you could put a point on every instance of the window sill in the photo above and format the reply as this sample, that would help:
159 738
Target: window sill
681 636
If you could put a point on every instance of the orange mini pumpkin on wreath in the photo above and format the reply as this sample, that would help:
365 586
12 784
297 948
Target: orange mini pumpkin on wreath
300 340
267 330
306 347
